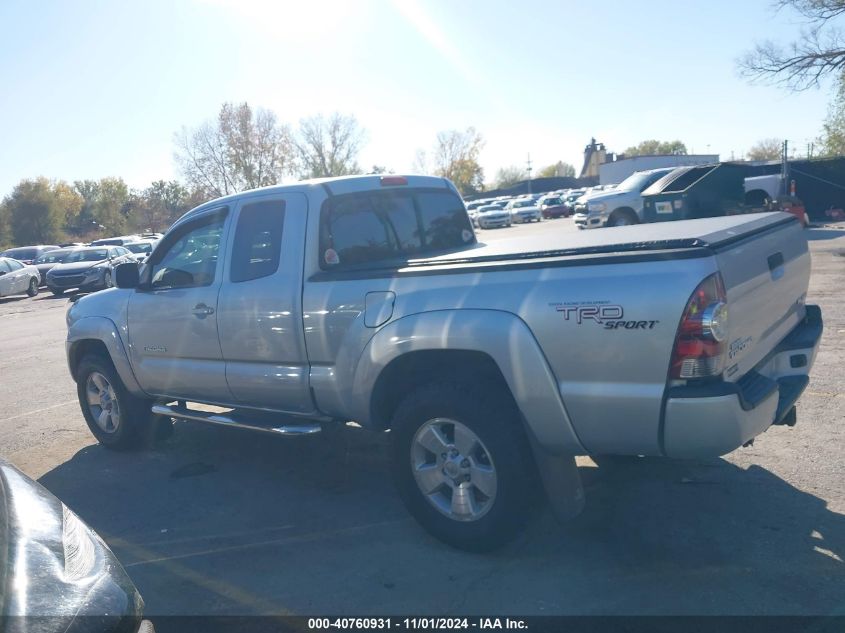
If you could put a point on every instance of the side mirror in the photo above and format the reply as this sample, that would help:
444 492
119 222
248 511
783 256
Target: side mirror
127 275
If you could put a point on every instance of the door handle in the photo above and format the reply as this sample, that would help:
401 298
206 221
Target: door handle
202 310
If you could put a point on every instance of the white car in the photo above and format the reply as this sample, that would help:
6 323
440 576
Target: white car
141 249
17 278
524 210
492 216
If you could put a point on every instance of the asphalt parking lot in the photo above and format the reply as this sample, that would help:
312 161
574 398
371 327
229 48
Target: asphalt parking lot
225 522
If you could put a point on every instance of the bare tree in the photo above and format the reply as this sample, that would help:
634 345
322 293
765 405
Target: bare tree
815 53
420 164
456 157
243 149
766 149
509 176
329 146
558 169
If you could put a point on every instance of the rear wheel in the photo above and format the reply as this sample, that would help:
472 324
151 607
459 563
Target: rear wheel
57 293
462 464
623 217
114 416
32 290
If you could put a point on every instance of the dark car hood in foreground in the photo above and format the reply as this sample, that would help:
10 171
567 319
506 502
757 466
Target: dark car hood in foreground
56 574
75 267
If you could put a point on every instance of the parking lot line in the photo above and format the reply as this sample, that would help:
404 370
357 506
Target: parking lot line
53 406
302 538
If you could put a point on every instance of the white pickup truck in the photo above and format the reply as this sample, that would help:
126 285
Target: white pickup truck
492 365
621 206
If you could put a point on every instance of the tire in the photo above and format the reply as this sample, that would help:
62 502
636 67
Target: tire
32 290
57 293
623 217
126 416
503 483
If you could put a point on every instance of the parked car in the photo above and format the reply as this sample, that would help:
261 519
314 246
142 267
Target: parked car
57 574
553 207
524 210
116 241
46 261
87 269
17 278
493 216
140 250
493 365
26 254
620 206
570 198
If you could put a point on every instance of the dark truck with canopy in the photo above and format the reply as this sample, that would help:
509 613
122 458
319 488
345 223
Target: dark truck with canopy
700 191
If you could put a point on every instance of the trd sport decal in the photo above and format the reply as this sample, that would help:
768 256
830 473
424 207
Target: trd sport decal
610 316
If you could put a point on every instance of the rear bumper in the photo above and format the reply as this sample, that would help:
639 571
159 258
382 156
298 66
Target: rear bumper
711 420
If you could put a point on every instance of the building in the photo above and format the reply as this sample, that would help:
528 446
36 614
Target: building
594 155
615 171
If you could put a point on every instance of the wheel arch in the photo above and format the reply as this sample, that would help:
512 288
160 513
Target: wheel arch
624 210
99 335
495 345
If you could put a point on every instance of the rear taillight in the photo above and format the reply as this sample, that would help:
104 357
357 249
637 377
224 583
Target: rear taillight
393 181
700 345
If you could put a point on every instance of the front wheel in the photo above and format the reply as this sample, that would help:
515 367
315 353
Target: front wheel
114 416
462 464
623 217
32 290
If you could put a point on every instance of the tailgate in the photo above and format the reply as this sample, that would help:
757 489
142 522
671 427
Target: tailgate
766 275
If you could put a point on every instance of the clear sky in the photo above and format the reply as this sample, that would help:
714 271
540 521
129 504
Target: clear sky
91 89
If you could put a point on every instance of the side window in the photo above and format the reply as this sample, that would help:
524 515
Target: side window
258 240
122 251
190 260
14 264
4 265
113 252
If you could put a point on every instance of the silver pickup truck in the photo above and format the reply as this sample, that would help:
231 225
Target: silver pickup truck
369 299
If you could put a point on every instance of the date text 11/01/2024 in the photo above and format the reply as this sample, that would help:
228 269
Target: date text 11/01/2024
430 623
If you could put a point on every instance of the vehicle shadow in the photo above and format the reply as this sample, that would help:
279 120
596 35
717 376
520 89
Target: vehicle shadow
216 521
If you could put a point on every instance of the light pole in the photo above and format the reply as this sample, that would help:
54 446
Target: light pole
529 173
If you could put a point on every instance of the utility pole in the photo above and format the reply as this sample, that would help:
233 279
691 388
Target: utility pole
529 173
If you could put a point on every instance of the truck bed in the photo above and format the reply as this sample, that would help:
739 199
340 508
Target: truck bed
686 235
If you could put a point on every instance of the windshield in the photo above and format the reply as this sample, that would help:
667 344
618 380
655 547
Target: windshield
87 256
523 203
139 248
53 257
638 181
551 201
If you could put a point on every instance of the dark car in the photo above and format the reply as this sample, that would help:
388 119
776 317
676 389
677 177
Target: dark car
56 574
27 254
86 269
46 261
553 207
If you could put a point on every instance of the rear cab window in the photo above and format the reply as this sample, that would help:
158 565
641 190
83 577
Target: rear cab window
389 227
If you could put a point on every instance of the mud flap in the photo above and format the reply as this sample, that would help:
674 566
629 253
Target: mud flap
561 481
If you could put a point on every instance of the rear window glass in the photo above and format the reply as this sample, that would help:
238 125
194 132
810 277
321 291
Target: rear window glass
380 226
